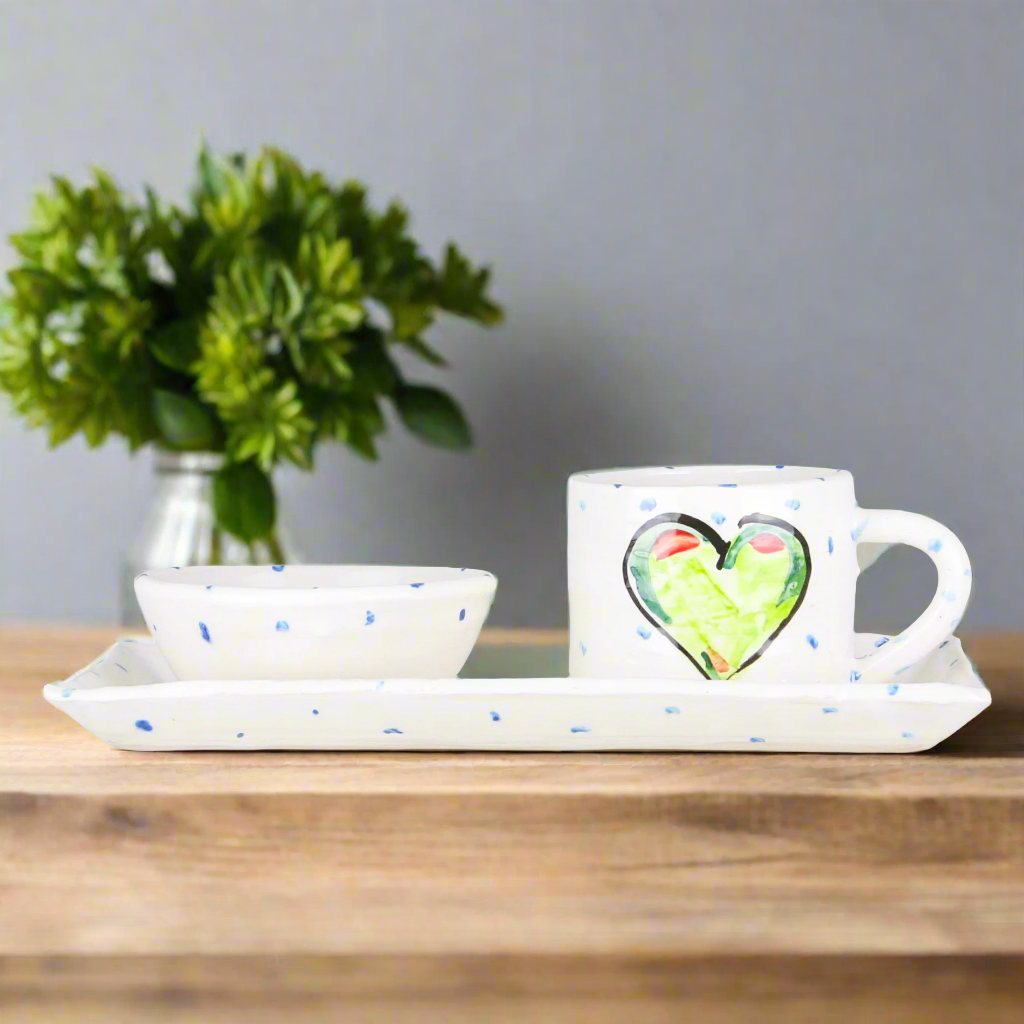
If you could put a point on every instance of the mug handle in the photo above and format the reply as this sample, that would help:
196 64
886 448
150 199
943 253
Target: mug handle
937 622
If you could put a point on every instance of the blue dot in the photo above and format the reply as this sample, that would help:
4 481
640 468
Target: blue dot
380 685
717 518
462 614
727 485
579 728
143 725
671 710
892 689
793 503
399 731
495 717
856 532
812 640
949 595
67 693
415 586
616 486
908 735
282 626
756 739
277 568
647 505
830 711
209 586
644 633
239 735
935 545
204 632
369 619
583 506
831 546
854 675
967 572
120 666
583 647
670 467
881 641
780 467
900 671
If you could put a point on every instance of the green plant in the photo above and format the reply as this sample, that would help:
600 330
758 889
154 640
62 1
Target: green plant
256 321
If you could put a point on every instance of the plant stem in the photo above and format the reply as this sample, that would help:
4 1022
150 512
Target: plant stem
274 545
216 555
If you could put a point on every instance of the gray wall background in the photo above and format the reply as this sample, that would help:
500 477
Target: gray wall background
724 231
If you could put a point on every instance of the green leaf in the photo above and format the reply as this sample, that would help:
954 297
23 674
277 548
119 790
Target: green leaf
433 416
409 318
244 502
361 442
184 422
176 345
424 351
373 372
212 178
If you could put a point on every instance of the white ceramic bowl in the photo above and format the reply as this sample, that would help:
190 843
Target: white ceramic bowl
315 621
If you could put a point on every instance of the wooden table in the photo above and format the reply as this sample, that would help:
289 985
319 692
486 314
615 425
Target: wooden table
491 888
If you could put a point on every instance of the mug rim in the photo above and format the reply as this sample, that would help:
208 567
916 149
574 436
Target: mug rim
708 476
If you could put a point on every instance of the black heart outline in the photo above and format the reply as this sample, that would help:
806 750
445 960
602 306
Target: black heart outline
715 538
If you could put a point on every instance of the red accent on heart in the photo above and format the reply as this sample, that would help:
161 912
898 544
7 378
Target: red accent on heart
718 663
672 542
767 543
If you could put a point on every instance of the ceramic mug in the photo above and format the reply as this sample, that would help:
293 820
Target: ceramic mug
739 572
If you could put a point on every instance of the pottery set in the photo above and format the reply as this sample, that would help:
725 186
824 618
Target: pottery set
711 608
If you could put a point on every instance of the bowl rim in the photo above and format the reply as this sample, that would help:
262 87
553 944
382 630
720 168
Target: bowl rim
188 581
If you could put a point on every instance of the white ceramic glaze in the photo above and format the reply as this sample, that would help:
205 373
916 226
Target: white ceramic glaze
129 699
748 572
315 621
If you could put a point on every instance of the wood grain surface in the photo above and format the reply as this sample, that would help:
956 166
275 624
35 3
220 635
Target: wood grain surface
505 887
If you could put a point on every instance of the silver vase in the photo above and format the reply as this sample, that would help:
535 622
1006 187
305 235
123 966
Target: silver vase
179 528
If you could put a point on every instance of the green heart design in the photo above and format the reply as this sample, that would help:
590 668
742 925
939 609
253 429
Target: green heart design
720 604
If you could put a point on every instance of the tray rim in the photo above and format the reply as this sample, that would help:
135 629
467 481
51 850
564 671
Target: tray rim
963 686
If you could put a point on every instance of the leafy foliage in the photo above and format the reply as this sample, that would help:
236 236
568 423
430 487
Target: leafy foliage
257 321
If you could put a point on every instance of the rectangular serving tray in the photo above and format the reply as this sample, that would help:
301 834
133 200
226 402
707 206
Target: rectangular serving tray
128 697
